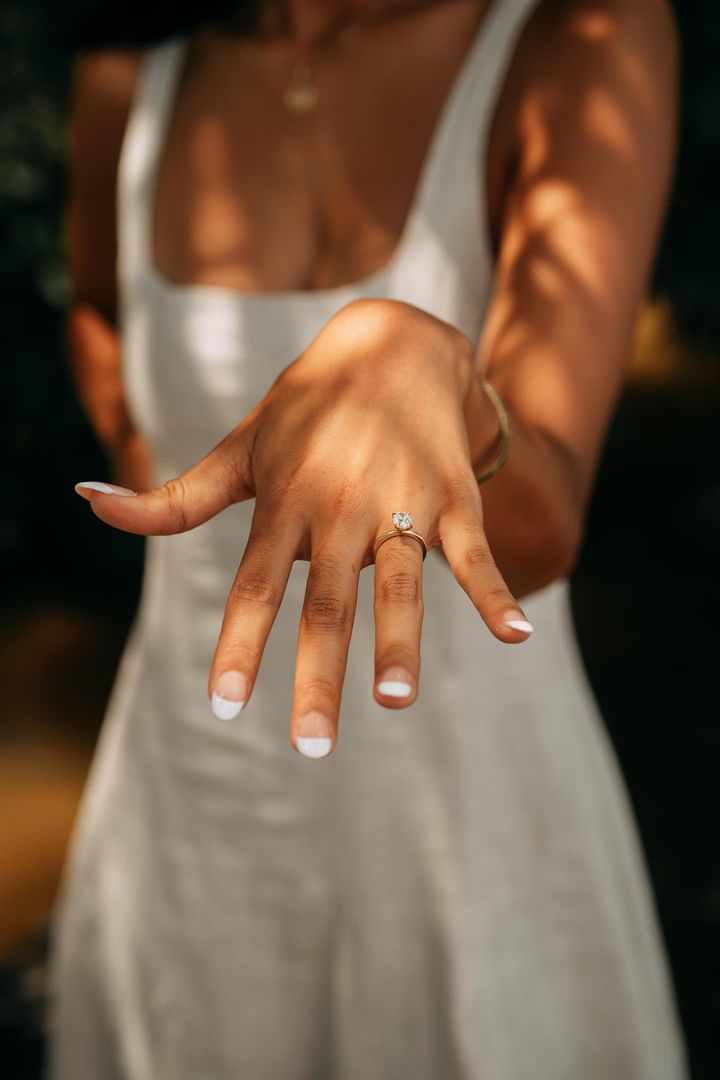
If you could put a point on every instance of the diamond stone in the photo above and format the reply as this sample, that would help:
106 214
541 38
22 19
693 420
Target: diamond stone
402 521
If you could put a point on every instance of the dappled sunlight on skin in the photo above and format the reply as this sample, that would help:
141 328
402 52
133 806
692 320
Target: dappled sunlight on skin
336 491
318 210
591 26
557 231
573 254
353 446
611 126
215 243
353 378
373 324
386 430
215 230
380 407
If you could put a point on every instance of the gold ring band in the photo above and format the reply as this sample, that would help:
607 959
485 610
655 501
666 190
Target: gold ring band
400 532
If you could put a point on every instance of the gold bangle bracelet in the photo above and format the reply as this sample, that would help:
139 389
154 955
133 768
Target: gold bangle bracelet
504 420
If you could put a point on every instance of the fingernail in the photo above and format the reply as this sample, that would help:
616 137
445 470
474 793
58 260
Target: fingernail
229 695
314 735
395 682
520 624
104 489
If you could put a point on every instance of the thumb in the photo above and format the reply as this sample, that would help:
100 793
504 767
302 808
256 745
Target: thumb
221 478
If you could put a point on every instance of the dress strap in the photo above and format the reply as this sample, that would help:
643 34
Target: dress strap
458 155
139 157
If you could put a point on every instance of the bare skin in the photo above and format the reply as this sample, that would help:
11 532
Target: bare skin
578 170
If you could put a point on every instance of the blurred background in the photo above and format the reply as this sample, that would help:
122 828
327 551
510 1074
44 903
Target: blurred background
646 590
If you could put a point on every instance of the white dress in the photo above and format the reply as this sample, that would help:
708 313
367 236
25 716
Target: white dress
457 892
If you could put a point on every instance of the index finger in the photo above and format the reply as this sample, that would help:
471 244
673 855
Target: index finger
252 605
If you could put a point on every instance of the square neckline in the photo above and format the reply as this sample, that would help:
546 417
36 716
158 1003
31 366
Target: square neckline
378 279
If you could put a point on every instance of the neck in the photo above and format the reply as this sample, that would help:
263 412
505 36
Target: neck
308 21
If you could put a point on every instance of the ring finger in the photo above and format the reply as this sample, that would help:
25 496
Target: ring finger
398 620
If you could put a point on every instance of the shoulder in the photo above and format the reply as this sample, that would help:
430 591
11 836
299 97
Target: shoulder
107 71
598 19
575 59
574 40
592 63
102 91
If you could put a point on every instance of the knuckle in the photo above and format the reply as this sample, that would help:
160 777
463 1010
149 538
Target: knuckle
326 611
175 493
255 587
400 655
365 322
400 586
230 650
318 688
478 556
358 311
496 596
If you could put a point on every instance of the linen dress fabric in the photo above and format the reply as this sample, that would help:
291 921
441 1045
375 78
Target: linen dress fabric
457 892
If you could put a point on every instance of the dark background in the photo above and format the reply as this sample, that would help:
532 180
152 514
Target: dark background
645 590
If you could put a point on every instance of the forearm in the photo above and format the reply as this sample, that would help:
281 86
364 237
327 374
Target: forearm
94 355
532 505
580 163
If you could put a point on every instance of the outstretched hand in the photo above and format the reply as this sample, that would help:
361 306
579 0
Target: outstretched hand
366 421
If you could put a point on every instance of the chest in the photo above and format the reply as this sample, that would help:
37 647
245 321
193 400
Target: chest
252 197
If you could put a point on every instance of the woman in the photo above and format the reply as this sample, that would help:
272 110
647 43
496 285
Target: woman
329 230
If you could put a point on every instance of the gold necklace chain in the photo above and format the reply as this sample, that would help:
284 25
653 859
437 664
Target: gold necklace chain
301 95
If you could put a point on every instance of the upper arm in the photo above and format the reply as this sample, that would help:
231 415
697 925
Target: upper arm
102 90
579 169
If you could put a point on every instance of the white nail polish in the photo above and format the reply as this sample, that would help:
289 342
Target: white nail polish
229 695
105 489
520 624
223 708
391 688
313 746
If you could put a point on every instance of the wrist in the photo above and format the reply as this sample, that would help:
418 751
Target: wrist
482 423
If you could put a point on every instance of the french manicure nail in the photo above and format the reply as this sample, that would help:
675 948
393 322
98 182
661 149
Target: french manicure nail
229 695
395 682
520 624
104 489
314 746
314 736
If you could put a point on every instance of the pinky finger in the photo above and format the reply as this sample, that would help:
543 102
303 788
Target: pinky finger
471 561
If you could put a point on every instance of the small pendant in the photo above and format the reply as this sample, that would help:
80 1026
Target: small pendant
302 94
300 99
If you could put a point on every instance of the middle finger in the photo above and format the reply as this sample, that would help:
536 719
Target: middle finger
323 641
